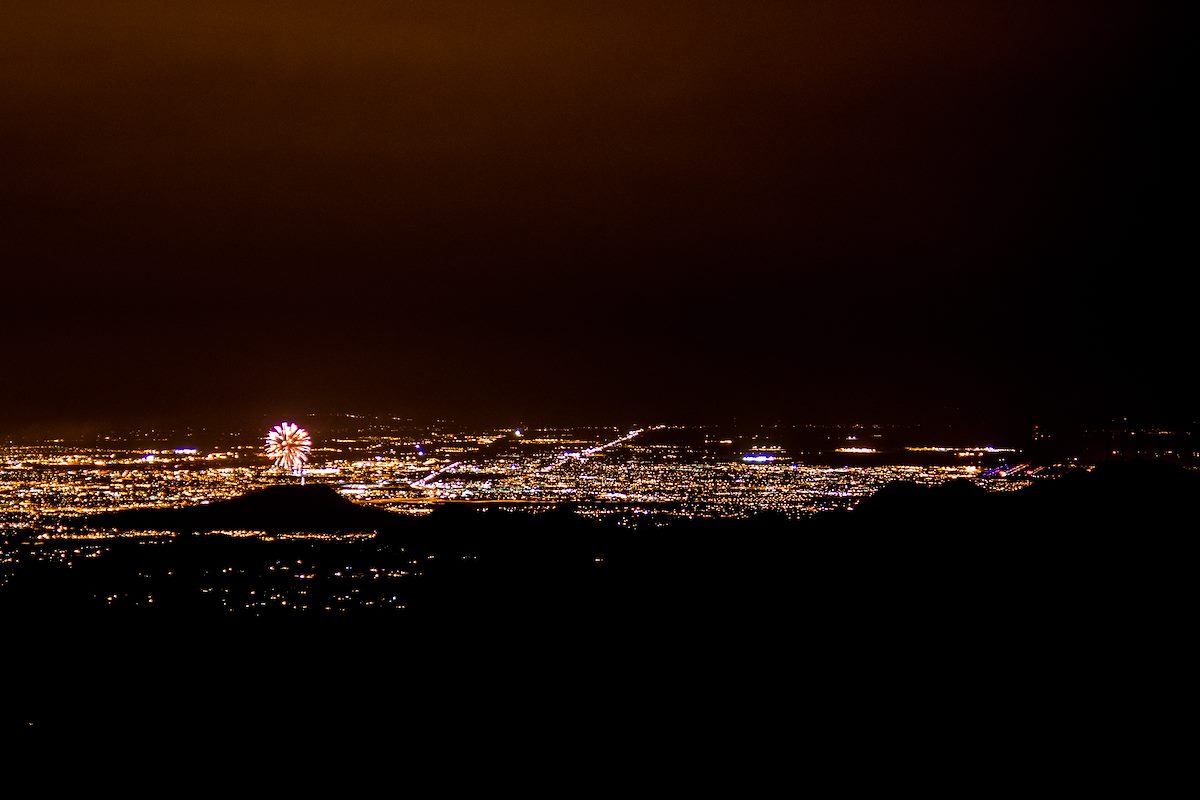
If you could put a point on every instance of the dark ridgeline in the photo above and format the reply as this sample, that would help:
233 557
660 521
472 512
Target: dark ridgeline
316 508
939 601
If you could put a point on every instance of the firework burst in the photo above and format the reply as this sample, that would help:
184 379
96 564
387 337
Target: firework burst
288 445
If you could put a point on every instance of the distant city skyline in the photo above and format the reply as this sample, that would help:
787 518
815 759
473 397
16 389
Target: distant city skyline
676 471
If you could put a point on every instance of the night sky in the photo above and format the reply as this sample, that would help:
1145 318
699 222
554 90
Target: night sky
586 211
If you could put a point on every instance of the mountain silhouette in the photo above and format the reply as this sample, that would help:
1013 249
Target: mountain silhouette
1112 496
315 508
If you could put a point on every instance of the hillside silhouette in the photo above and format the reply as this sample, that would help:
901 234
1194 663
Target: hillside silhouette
1112 494
314 508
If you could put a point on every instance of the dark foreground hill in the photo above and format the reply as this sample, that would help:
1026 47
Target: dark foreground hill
315 508
923 604
1110 496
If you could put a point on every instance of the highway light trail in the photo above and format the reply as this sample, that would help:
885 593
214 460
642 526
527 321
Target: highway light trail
591 451
564 457
424 482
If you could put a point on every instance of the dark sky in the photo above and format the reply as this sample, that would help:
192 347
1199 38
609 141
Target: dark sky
585 210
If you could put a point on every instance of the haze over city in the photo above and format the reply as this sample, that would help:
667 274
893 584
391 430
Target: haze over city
581 213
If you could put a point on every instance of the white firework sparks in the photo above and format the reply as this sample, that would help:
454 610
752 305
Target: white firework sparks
288 445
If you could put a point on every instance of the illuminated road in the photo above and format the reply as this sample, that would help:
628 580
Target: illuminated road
591 451
569 455
424 482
